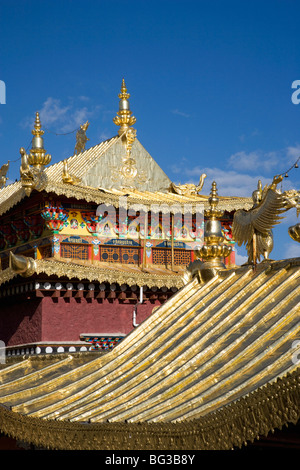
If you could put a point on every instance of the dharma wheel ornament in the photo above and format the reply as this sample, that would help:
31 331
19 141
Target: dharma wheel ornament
214 250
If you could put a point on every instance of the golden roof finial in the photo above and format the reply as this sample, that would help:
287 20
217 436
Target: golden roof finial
124 117
214 250
37 156
37 131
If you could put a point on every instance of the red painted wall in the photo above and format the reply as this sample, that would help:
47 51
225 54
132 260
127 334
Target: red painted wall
66 320
21 322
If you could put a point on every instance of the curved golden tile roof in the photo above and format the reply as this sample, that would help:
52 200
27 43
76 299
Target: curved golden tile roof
209 347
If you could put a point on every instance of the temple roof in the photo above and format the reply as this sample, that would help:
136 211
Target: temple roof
104 173
89 165
130 274
213 367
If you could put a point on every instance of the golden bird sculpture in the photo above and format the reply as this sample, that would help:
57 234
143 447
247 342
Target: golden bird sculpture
254 227
3 172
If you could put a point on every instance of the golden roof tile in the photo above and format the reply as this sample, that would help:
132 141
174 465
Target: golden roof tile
213 357
81 168
103 272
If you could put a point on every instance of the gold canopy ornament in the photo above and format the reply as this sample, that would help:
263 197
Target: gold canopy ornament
124 117
214 250
37 156
32 164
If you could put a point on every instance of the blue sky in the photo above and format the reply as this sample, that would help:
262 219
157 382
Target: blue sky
210 84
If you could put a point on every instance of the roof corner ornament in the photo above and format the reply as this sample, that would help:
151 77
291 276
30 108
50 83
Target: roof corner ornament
3 173
210 257
187 189
81 138
124 118
22 265
66 177
254 227
32 165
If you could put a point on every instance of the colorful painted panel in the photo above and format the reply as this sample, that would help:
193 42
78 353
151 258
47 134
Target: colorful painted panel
74 251
164 256
102 342
116 254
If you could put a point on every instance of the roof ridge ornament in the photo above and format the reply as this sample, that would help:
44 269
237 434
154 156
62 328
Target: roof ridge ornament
3 174
124 117
32 164
214 249
22 265
253 227
37 156
81 138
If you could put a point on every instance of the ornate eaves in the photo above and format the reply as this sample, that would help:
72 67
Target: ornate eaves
212 368
136 200
109 273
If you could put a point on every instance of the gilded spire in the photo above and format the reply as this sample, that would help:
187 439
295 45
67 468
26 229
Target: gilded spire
214 250
124 117
37 156
32 165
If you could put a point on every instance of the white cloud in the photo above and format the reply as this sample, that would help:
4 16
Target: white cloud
252 161
229 182
240 259
62 118
293 152
242 171
180 113
292 250
52 111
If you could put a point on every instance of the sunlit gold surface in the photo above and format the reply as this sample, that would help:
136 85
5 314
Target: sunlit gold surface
22 265
294 232
209 347
254 227
66 177
214 250
81 138
124 117
102 272
37 156
92 177
32 173
3 172
187 189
